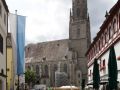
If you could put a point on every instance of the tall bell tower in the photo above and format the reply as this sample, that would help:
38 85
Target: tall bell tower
79 33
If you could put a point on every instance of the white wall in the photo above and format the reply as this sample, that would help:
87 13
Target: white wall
3 32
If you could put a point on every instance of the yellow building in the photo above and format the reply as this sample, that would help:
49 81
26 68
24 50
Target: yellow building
10 80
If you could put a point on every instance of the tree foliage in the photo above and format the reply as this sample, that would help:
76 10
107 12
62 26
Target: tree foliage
29 76
96 75
112 69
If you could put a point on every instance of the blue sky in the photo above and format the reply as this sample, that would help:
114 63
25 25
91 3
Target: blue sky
49 19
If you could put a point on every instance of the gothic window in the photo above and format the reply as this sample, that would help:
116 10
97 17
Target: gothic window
65 67
78 12
46 70
37 69
44 81
78 32
55 67
1 44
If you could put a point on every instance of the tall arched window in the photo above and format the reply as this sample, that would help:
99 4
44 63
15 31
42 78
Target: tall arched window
65 67
78 32
46 70
37 69
78 12
55 67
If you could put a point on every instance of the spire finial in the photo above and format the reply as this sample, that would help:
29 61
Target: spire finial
106 15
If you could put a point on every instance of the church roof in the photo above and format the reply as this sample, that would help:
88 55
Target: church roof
49 51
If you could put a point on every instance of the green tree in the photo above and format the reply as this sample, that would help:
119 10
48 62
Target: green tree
112 70
29 77
96 75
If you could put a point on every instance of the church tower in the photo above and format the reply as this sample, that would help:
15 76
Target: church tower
79 34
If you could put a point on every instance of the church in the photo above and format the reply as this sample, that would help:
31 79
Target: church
63 62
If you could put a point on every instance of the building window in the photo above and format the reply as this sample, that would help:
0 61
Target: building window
37 69
107 38
5 19
2 71
95 49
99 45
100 64
46 70
1 44
104 39
79 75
0 10
110 32
101 42
114 25
78 32
55 67
90 73
103 63
44 82
65 67
78 12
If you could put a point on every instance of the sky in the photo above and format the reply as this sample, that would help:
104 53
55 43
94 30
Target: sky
48 20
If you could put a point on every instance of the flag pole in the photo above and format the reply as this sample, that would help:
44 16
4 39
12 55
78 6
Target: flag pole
16 47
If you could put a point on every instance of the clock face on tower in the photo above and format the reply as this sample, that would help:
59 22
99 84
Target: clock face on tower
78 12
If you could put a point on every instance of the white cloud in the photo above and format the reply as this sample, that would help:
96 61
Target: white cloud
49 19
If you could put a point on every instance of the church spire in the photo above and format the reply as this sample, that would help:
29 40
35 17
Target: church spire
79 8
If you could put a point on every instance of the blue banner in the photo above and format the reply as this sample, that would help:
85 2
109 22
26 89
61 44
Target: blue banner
20 34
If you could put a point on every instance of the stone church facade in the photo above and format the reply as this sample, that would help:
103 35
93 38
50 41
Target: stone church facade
63 58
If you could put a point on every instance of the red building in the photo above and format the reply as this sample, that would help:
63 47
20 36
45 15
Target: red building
108 35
